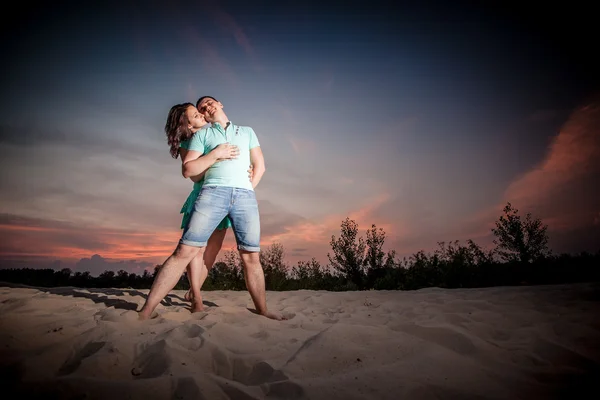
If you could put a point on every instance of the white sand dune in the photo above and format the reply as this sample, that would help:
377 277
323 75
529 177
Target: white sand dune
496 343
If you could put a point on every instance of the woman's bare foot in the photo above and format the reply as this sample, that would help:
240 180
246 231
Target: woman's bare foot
189 296
274 316
142 316
197 305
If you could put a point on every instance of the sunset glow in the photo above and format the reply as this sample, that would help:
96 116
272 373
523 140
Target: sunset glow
423 123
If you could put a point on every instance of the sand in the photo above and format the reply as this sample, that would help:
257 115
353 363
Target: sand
538 342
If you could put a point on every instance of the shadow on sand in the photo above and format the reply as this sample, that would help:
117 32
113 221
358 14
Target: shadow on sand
101 296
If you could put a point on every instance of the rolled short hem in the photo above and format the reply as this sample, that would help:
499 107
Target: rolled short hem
249 248
192 243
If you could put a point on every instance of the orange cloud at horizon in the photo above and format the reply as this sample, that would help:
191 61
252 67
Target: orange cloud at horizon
35 240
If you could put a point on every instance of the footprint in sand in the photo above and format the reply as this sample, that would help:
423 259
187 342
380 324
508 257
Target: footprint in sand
260 335
259 373
152 361
236 375
273 382
74 362
193 330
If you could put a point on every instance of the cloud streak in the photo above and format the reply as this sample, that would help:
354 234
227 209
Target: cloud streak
229 23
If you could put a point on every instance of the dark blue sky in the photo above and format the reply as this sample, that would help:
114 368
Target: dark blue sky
422 119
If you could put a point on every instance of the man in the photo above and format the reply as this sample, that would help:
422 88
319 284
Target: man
226 192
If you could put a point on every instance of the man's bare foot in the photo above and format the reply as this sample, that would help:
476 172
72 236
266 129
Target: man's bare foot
274 316
189 296
197 305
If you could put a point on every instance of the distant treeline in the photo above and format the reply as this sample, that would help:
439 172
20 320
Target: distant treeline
521 257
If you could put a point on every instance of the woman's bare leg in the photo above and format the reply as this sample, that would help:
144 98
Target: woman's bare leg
213 246
197 275
191 272
198 270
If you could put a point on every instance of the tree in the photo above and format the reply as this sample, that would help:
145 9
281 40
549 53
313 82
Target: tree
311 275
227 274
274 267
517 240
375 254
348 253
66 272
122 278
374 261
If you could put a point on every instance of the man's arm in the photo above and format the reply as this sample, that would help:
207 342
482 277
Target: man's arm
258 165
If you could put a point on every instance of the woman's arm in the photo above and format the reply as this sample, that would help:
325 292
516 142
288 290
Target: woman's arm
183 153
194 163
197 178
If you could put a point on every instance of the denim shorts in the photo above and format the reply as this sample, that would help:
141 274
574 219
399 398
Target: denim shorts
215 203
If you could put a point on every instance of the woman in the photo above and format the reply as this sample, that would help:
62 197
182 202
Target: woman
183 122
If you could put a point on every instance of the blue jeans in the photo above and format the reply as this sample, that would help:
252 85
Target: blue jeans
215 203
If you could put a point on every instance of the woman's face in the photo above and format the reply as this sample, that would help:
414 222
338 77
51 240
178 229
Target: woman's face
195 119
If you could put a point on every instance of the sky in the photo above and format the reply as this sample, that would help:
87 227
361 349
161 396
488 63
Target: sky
424 120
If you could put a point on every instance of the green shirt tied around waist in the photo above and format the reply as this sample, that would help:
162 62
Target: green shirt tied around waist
231 173
188 206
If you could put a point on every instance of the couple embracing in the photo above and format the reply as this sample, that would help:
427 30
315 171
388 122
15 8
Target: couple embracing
217 159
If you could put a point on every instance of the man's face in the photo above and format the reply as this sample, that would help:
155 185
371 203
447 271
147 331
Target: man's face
210 108
195 119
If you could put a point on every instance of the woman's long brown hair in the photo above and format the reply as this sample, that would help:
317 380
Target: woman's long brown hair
176 127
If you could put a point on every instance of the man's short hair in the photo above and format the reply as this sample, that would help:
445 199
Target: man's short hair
202 98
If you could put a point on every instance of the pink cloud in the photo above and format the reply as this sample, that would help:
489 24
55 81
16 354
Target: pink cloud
559 182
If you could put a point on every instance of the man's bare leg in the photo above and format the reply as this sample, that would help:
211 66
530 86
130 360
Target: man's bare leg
167 277
213 246
255 282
